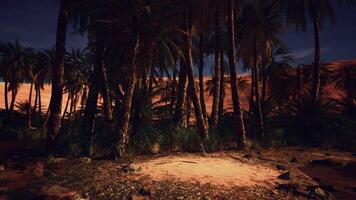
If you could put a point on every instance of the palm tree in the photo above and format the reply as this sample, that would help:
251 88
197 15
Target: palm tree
181 93
187 21
75 78
47 57
15 61
43 67
15 58
345 79
201 75
279 80
54 121
261 23
217 68
32 75
240 127
297 12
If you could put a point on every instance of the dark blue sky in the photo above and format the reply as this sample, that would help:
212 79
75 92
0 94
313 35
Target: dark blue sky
34 23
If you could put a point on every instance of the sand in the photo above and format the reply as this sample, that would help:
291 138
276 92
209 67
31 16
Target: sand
223 171
23 93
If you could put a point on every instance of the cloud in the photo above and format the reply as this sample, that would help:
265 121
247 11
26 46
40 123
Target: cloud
305 53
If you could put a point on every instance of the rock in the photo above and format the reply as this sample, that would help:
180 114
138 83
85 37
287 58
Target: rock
53 192
288 187
85 160
259 153
147 190
2 168
327 154
327 162
285 176
293 160
320 192
316 191
206 198
281 167
155 148
129 168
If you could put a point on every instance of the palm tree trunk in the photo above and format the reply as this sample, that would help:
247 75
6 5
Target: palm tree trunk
123 134
75 106
106 94
6 96
88 123
222 88
36 99
29 119
174 90
54 121
252 90
150 86
39 102
257 91
46 117
13 99
203 131
264 84
146 70
181 94
72 103
83 99
316 70
217 69
66 107
201 78
240 127
188 108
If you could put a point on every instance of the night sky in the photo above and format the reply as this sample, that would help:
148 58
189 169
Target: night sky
34 23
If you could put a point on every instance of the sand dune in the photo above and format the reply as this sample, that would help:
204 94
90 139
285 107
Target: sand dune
23 93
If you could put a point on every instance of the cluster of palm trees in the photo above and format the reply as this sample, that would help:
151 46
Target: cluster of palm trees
20 64
144 49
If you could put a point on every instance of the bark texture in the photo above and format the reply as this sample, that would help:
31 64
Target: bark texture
54 121
239 122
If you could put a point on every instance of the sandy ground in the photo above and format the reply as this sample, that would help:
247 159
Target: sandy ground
223 171
231 175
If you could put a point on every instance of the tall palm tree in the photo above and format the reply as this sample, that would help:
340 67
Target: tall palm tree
187 20
239 121
32 75
261 23
43 69
15 59
297 12
217 68
54 121
47 57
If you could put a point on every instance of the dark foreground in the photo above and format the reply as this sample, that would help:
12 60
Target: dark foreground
306 174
